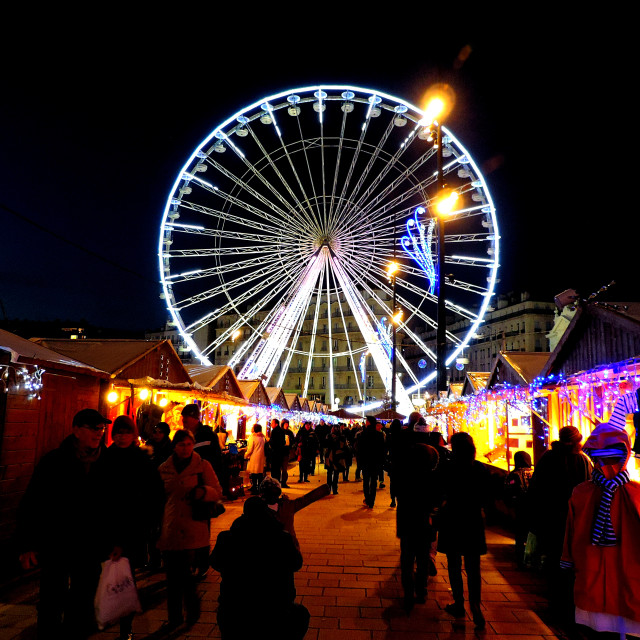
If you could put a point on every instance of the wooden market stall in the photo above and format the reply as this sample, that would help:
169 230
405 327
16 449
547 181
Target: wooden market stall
40 392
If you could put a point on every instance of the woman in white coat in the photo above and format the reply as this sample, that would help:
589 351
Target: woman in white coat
256 457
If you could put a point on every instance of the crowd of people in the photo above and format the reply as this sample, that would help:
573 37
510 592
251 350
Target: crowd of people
87 503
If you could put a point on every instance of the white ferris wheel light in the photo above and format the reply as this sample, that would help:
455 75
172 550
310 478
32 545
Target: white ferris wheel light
301 217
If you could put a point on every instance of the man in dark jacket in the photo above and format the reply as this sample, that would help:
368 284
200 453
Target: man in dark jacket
265 570
371 454
277 446
63 528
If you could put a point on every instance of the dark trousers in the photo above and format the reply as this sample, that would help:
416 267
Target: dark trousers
472 567
332 479
256 479
288 622
284 474
370 484
276 466
414 550
67 589
181 585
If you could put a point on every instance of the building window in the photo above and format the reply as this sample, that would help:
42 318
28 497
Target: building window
370 381
324 383
311 382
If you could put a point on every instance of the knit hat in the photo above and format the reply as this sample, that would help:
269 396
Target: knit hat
191 411
604 437
522 460
569 435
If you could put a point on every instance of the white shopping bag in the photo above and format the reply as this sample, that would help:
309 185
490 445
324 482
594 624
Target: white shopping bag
117 595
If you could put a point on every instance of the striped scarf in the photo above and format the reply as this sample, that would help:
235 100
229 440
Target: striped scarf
602 533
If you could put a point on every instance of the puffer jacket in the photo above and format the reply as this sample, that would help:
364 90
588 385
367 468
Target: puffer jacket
179 530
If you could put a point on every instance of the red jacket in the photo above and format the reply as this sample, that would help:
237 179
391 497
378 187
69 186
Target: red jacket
607 578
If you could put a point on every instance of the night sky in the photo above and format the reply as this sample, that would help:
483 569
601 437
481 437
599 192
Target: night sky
95 123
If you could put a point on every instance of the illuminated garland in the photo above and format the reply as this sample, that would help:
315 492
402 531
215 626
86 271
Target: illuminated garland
22 380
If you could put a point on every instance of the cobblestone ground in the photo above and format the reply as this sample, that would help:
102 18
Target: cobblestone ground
350 582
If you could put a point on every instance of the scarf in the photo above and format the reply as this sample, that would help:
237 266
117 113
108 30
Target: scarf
602 533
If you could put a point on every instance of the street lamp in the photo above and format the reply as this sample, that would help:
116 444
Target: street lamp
395 318
439 103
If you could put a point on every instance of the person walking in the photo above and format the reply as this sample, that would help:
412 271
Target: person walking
335 456
516 485
277 444
465 487
371 453
136 500
255 454
415 486
62 528
308 447
289 446
187 479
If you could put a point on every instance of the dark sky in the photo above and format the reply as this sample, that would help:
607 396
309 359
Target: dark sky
97 118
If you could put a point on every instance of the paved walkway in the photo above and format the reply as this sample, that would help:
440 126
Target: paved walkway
350 582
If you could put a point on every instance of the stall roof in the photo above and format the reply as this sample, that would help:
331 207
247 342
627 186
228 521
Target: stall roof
475 381
217 377
597 335
293 401
255 392
28 352
109 355
277 396
187 387
517 367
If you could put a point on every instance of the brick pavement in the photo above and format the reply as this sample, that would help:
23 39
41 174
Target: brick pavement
350 582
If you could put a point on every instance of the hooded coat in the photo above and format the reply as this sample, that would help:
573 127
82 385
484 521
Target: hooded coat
607 578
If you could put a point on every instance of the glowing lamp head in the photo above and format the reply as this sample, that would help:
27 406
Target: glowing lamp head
447 203
397 316
235 335
392 269
438 100
112 396
144 394
163 402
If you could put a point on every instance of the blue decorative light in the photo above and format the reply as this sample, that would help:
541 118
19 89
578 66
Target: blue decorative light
417 244
363 366
422 364
384 334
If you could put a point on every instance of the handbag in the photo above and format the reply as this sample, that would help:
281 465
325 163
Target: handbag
201 510
117 595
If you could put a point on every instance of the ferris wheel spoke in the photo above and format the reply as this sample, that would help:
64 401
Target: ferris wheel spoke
314 328
348 339
336 170
354 161
259 274
263 359
373 203
221 233
282 214
295 213
226 268
229 217
414 311
369 166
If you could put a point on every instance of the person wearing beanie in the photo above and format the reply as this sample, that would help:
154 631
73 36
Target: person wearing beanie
602 533
559 470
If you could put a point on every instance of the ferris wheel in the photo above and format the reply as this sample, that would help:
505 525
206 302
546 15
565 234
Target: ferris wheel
285 218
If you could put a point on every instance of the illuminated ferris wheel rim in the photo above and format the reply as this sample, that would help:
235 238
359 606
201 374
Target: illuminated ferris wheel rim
232 120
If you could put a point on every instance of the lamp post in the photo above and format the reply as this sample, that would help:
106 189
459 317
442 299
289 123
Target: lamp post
438 105
395 318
